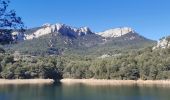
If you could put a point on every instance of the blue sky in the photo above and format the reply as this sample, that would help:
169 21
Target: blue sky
150 18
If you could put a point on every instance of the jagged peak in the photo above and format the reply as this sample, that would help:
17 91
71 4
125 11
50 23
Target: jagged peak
57 28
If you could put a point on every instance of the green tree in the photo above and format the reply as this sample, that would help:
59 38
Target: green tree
8 22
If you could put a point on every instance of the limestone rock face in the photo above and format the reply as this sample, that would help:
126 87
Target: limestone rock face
116 32
55 28
163 43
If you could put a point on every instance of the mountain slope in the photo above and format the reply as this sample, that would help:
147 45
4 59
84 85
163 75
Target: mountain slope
63 39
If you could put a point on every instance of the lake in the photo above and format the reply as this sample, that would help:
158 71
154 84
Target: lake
83 92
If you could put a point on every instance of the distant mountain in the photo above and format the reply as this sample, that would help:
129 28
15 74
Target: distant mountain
56 28
64 39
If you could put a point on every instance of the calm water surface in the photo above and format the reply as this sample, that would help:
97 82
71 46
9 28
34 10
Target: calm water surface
83 92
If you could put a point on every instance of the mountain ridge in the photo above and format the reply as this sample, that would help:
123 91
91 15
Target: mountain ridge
64 39
69 30
51 28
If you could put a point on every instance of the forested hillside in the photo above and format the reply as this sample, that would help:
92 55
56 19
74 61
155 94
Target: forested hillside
146 64
89 44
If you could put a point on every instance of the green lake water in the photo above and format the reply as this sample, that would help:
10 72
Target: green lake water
83 92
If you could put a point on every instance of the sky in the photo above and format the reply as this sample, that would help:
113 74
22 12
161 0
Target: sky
150 18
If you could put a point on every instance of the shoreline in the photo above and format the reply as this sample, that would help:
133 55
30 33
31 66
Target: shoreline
25 81
114 82
84 81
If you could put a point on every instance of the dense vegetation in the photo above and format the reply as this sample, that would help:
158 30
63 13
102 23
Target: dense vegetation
145 64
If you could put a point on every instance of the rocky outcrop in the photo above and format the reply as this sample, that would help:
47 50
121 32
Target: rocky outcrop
55 28
163 43
116 32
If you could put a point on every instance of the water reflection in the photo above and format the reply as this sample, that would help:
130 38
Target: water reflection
83 92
